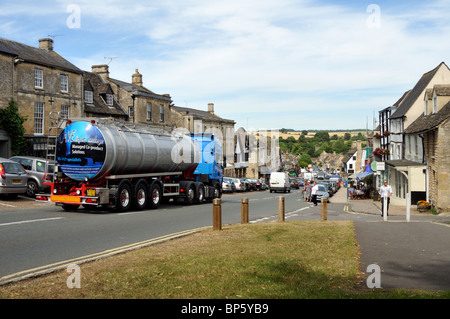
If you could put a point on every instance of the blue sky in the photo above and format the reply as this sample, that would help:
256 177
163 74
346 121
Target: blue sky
266 64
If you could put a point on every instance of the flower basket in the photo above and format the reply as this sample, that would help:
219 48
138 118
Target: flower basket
423 206
377 135
386 133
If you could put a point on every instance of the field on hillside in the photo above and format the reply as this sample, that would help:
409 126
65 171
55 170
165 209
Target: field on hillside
311 134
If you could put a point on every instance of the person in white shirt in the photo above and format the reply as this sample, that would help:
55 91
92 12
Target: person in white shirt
314 191
385 192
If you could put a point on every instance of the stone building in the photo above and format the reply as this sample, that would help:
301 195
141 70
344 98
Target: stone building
434 125
40 81
200 121
143 105
99 99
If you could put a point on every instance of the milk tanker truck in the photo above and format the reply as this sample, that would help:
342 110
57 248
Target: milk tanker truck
117 165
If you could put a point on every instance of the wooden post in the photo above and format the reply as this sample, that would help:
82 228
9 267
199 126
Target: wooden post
244 210
217 214
281 209
323 212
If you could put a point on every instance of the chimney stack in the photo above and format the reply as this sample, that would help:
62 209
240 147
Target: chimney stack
102 70
211 108
136 79
46 44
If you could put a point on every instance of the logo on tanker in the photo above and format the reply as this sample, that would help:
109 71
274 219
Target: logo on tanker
80 151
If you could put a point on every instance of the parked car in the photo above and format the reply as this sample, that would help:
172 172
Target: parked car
240 186
228 186
264 186
13 178
245 182
40 170
255 184
251 183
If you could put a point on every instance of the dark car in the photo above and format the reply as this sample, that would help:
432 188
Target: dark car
294 182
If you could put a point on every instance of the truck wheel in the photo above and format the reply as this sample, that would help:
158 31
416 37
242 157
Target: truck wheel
190 195
123 200
140 196
201 194
155 196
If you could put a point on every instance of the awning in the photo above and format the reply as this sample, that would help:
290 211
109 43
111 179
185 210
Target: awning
364 175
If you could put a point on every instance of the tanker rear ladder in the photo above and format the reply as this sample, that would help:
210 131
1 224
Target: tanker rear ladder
55 128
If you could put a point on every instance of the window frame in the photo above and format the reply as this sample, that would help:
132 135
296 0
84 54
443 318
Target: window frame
64 82
38 78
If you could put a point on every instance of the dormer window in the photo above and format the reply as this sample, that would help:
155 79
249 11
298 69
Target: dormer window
88 97
435 106
109 99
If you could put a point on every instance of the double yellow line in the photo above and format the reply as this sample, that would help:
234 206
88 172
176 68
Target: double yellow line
34 272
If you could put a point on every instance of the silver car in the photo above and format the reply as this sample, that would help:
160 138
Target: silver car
13 178
40 171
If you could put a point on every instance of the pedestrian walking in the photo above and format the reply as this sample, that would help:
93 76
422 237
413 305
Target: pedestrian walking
308 191
385 192
314 191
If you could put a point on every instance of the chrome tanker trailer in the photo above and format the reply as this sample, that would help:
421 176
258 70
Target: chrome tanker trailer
122 165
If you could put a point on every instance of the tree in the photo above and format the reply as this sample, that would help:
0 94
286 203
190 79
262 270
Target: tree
305 132
322 136
12 122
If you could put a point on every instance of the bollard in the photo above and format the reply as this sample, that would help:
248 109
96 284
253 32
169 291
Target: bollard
281 209
217 214
384 207
323 212
244 210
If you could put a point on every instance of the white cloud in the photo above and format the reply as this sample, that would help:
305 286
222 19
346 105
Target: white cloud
255 55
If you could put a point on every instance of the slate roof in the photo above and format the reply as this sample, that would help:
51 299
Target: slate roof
95 83
36 55
349 155
140 90
416 92
426 123
199 113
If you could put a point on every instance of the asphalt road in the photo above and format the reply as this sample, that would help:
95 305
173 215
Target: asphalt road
37 237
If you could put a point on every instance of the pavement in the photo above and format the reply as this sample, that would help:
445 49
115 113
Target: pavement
412 254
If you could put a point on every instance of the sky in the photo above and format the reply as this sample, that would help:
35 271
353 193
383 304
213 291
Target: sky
266 64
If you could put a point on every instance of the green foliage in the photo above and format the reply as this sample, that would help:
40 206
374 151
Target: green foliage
12 122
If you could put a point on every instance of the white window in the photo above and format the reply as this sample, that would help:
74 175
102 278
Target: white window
149 111
39 78
65 111
131 112
426 107
161 113
109 99
88 97
38 118
64 83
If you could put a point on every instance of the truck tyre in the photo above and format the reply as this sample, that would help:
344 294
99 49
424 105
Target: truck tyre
140 196
190 195
155 195
200 194
123 199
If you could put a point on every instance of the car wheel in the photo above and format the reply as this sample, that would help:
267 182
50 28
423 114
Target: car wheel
32 188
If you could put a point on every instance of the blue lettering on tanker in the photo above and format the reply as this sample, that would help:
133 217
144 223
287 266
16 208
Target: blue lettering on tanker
80 151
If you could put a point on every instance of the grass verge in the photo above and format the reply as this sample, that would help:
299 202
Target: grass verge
255 261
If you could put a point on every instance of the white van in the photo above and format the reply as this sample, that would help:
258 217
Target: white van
279 181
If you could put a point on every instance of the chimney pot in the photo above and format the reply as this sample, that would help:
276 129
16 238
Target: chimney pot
211 108
46 44
136 78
